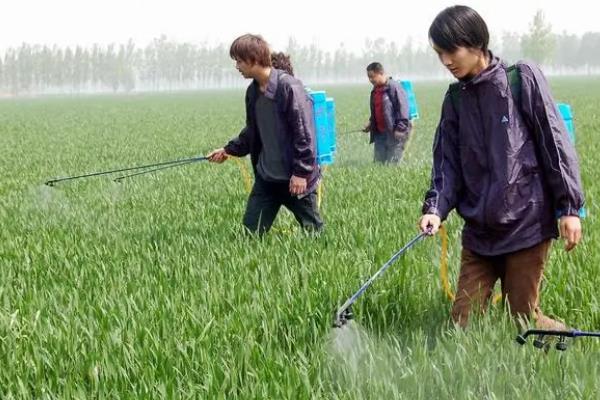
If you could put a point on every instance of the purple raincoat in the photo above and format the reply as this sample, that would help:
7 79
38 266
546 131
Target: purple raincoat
507 168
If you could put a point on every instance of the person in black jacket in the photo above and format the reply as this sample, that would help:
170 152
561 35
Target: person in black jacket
279 136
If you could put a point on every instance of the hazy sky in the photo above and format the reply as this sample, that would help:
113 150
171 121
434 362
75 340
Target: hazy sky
325 22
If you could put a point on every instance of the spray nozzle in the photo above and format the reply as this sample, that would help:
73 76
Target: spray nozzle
342 317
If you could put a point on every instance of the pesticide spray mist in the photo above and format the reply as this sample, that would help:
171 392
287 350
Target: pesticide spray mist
347 346
360 363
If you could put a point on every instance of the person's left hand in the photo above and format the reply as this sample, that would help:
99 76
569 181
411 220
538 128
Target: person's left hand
570 231
297 185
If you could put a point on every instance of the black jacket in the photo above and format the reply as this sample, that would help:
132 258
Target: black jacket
295 122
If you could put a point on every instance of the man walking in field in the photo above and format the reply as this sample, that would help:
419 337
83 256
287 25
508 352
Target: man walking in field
389 125
279 136
503 159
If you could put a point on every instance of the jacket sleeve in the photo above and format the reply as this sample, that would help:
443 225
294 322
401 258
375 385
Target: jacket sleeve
240 146
557 153
401 110
299 114
446 174
372 110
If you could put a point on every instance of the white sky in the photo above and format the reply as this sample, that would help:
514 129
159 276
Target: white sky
325 22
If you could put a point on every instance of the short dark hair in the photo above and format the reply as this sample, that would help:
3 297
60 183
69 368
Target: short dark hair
375 67
251 49
459 26
282 61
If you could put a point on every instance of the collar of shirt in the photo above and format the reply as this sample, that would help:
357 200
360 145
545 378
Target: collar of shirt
272 84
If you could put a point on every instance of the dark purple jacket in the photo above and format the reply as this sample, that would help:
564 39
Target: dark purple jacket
507 168
395 109
295 122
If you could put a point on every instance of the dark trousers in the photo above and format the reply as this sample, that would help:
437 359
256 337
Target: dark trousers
266 198
520 274
387 148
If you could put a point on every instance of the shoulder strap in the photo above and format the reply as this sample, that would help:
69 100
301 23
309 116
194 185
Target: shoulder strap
392 93
514 81
454 91
390 87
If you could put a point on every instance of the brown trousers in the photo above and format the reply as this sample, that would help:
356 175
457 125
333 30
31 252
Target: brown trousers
520 274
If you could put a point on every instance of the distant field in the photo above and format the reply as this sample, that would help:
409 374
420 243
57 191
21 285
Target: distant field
150 289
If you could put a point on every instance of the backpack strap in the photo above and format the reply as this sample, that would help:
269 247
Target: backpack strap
454 92
515 84
514 81
392 93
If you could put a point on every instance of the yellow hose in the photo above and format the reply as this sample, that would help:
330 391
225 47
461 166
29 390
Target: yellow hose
245 174
444 264
247 179
321 189
407 144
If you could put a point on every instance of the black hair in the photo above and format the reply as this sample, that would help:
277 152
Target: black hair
459 26
375 67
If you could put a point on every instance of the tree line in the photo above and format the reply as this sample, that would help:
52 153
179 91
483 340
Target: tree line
164 64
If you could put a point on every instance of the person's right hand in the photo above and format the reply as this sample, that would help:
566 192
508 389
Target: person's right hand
217 156
367 128
430 224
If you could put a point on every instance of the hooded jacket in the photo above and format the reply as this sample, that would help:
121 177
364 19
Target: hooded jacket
507 168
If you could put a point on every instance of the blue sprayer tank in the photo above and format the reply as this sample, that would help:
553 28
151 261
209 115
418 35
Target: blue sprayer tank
331 124
324 114
567 116
413 107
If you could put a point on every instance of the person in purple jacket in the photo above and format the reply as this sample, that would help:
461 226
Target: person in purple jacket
389 124
504 161
279 136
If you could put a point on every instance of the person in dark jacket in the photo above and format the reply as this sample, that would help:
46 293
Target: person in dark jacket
504 161
389 125
279 136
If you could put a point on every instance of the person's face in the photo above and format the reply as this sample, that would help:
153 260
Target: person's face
245 68
462 62
376 78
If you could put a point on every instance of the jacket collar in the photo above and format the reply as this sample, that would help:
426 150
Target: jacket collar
487 74
272 84
385 86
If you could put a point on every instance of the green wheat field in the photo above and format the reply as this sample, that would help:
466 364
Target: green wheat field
150 288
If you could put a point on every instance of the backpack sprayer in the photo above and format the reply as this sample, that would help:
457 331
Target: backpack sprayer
145 169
